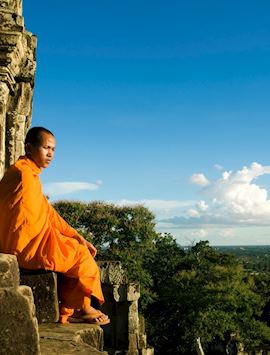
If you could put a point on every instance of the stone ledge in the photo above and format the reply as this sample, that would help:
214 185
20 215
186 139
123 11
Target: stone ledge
70 339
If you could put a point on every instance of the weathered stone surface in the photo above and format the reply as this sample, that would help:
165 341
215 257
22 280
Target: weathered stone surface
18 325
126 292
142 341
147 351
70 339
44 287
4 92
133 318
112 273
17 71
132 342
9 271
92 336
14 6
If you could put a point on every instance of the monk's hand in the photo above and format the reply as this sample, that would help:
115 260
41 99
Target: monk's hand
92 249
83 241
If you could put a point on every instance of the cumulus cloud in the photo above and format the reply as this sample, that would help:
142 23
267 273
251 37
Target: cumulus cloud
67 187
234 199
236 196
202 206
199 179
199 233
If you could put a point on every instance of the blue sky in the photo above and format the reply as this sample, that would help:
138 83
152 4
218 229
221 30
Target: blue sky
161 103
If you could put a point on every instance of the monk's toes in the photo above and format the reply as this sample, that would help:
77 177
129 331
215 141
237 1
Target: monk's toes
102 318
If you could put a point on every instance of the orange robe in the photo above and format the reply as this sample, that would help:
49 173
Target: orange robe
31 229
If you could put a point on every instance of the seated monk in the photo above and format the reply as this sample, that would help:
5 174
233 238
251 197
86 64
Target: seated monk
31 229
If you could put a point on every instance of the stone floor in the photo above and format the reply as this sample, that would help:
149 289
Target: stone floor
71 339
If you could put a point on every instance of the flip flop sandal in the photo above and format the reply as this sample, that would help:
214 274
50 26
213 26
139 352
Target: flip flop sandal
98 322
88 320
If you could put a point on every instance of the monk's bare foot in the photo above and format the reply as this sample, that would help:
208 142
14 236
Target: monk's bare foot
90 315
91 312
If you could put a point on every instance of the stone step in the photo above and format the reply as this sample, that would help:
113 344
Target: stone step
73 338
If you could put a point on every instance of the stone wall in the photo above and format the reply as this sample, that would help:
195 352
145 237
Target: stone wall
17 71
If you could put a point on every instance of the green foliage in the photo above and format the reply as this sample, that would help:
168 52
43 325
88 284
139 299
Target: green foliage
185 294
262 282
208 295
253 258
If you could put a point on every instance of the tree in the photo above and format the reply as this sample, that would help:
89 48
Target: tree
208 296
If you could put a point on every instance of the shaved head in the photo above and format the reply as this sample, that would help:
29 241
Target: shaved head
34 135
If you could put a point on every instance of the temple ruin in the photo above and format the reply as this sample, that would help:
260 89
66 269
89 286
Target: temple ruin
17 72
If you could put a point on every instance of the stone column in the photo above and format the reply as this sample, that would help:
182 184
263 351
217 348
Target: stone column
126 332
17 71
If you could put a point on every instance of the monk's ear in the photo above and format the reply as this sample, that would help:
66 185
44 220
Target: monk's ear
27 148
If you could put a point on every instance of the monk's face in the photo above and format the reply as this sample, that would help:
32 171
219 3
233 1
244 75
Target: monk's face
43 153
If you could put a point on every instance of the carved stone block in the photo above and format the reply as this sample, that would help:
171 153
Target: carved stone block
126 292
18 325
14 6
44 287
9 271
112 273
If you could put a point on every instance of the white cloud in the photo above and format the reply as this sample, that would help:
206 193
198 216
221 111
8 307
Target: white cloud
199 179
67 187
216 235
199 233
235 199
202 206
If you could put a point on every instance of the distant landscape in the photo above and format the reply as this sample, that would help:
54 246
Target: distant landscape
252 257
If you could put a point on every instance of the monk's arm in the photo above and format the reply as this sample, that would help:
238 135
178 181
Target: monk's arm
58 222
65 229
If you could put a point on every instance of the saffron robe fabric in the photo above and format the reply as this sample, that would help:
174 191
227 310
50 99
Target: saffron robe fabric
31 229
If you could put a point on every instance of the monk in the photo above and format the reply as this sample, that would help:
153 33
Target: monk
31 229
